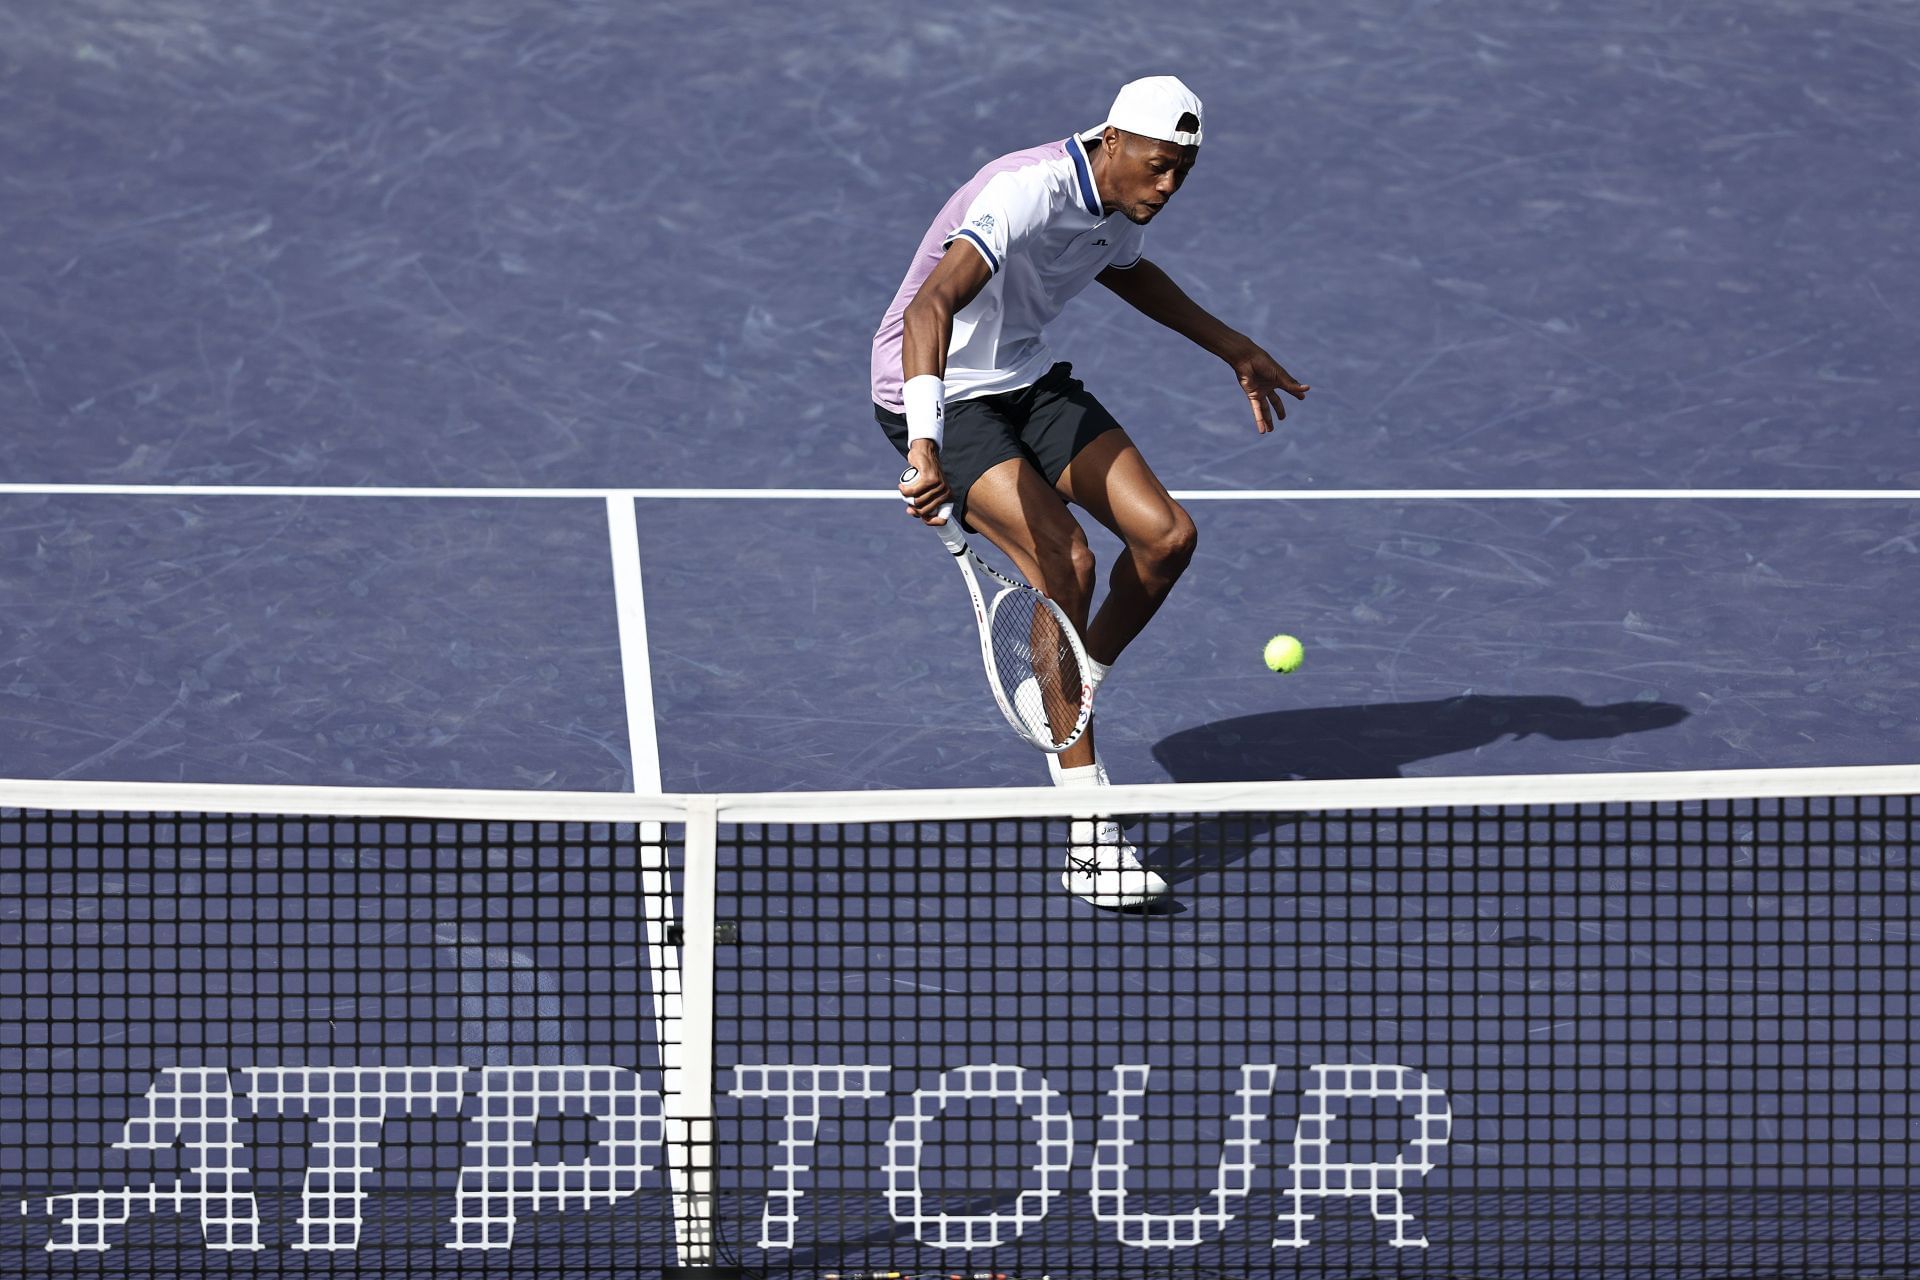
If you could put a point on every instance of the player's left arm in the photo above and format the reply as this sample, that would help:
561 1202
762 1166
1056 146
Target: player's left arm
1153 293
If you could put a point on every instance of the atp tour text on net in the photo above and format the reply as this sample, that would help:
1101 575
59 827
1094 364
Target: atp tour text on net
204 1110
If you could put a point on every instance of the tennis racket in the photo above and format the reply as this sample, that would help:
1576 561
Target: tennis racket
1036 665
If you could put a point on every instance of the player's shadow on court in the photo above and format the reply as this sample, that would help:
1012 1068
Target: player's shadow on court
1376 741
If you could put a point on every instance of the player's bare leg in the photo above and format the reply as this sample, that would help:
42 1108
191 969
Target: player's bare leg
1013 505
1026 518
1115 485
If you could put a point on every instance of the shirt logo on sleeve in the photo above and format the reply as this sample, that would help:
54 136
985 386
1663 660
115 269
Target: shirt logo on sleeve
984 222
1099 242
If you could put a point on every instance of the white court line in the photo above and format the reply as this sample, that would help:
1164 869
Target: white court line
884 495
636 667
683 1028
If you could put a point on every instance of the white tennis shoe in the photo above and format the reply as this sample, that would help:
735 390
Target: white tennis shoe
1104 868
1102 865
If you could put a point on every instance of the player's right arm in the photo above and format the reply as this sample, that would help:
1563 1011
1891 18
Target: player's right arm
955 281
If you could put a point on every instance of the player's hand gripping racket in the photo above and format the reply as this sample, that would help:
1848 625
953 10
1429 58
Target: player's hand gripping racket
1035 663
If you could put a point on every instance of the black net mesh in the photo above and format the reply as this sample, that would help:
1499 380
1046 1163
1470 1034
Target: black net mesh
272 1045
1651 1041
1661 1041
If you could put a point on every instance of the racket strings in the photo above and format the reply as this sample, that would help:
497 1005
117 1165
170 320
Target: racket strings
1038 669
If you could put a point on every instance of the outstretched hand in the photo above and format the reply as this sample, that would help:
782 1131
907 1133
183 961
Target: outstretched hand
1262 378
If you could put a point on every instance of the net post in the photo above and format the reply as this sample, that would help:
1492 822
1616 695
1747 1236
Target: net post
689 1062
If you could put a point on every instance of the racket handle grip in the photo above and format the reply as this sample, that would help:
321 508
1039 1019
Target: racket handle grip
949 530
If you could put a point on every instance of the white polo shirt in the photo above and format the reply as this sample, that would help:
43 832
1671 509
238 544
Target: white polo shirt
1035 217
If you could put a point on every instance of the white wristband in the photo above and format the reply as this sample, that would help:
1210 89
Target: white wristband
925 397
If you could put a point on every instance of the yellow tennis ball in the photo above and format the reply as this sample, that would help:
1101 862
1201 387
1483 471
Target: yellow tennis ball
1284 653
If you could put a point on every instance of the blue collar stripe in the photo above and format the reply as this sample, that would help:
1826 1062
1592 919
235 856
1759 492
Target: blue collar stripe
1079 154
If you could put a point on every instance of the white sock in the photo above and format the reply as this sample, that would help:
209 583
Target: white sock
1097 671
1086 775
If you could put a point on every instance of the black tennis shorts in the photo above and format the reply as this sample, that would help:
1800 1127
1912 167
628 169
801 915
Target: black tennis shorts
1047 423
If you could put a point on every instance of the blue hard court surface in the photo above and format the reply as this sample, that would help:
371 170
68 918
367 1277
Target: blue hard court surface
594 246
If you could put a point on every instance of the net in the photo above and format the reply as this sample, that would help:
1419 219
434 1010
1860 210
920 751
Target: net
295 1042
1632 1027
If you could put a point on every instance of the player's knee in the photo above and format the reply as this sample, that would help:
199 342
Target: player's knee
1170 549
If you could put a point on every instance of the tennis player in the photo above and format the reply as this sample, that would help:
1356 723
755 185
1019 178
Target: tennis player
969 392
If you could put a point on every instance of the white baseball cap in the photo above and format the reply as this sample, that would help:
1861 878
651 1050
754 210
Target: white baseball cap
1152 108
